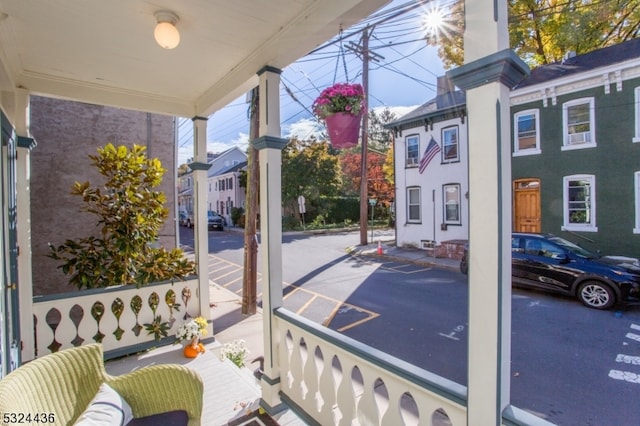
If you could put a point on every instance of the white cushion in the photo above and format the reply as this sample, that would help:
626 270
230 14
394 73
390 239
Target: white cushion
107 408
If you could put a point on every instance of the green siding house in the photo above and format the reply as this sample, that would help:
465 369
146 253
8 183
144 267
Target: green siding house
576 150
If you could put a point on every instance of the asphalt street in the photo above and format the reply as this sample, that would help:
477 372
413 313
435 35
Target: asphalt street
570 364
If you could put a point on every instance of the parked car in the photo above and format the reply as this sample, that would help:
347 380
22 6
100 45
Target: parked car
215 221
183 219
548 262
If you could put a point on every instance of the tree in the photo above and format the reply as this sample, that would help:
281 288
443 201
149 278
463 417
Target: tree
543 31
379 137
308 169
130 214
379 187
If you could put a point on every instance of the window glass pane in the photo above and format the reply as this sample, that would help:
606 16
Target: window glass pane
413 204
579 203
412 150
451 203
578 125
527 130
450 143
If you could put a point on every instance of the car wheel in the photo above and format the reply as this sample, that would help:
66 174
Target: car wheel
597 295
464 268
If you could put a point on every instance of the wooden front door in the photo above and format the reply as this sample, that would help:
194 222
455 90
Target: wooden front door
526 205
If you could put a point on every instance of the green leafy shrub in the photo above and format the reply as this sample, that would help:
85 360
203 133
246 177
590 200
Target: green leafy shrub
130 214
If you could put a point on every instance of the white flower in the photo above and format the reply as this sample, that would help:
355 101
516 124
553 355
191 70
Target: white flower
235 351
191 330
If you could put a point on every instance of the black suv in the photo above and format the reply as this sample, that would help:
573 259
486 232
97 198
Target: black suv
215 221
549 262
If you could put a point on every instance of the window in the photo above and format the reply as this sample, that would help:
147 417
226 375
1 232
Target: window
413 148
580 203
230 184
578 119
451 202
413 205
450 144
637 98
526 133
222 185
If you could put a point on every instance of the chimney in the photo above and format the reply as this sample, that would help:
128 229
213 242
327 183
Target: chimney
445 85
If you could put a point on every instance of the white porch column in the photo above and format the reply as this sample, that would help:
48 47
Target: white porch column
490 70
25 144
269 145
200 166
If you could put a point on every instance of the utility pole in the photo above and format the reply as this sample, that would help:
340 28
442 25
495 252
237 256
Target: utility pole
364 53
250 273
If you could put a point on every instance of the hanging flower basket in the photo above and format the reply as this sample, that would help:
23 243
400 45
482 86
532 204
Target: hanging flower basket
343 129
341 107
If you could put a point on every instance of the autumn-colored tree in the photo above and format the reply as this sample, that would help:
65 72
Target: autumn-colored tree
308 169
379 186
388 167
543 31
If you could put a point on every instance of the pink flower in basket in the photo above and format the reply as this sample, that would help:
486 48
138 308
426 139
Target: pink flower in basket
341 97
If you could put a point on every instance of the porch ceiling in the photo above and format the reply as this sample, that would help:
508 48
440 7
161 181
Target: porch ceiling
103 52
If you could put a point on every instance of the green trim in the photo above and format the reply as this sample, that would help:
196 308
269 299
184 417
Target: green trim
269 142
140 347
268 68
500 262
26 142
94 291
425 379
199 166
269 380
299 411
504 67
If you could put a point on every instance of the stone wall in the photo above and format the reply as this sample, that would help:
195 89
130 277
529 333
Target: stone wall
67 133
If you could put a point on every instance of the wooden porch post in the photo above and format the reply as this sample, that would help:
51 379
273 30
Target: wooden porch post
269 145
490 70
23 201
200 232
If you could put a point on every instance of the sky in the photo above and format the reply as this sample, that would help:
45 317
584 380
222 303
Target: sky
402 77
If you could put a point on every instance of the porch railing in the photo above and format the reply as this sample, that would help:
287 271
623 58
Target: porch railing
337 380
114 316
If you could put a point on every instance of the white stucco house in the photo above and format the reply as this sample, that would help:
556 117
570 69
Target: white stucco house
431 163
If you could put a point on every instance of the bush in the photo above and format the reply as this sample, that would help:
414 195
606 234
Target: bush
129 214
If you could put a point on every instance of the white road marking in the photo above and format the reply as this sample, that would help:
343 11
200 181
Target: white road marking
635 327
633 337
626 376
628 359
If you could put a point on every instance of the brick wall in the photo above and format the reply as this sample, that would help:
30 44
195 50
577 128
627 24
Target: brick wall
67 133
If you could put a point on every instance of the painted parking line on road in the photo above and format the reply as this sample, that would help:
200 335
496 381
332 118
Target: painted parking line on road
345 315
402 268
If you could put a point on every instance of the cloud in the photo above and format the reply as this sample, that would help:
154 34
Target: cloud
304 129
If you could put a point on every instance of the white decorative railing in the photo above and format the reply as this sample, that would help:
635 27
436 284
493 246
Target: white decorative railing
336 380
113 316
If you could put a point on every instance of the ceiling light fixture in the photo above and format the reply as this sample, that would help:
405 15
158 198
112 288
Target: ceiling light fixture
166 33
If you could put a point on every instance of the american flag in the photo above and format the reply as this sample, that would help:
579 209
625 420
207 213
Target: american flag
432 149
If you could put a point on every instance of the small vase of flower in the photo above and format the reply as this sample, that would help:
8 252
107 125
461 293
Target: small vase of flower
191 332
341 107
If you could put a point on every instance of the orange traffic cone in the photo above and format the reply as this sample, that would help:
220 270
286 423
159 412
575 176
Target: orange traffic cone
379 248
